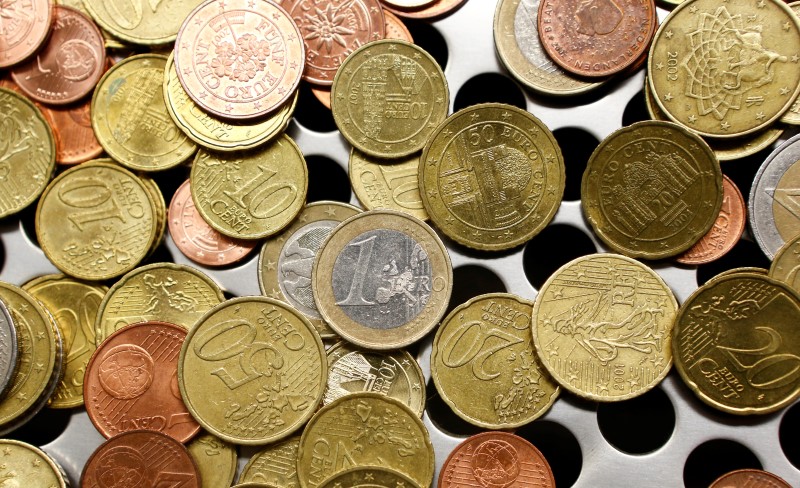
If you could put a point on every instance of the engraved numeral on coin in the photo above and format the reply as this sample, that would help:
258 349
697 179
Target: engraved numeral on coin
467 345
254 194
356 294
485 133
90 194
765 373
404 185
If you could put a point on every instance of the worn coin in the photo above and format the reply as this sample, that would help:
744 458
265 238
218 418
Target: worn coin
215 459
9 352
275 465
27 465
25 31
394 186
141 22
369 477
749 478
74 136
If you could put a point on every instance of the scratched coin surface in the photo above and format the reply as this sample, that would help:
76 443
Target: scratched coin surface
394 186
602 326
388 97
27 28
382 280
286 260
141 21
27 465
485 367
366 429
9 352
651 190
263 364
239 59
736 344
275 465
132 383
491 176
729 69
215 460
749 478
369 477
494 459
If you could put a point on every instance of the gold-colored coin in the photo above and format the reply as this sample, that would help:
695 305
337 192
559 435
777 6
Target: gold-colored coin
365 429
130 118
250 195
369 477
737 345
252 371
27 465
151 22
255 485
651 190
165 292
743 269
96 221
602 325
276 465
286 260
382 184
485 367
27 152
699 84
73 305
215 459
792 116
395 374
491 176
160 206
388 97
786 264
214 133
382 280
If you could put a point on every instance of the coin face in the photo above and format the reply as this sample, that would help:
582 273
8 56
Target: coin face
215 460
29 465
261 362
651 190
27 28
393 116
74 136
749 478
275 465
369 477
484 365
141 22
392 186
382 280
239 59
602 325
698 85
491 176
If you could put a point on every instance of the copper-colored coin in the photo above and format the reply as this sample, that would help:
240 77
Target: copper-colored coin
68 66
596 38
239 59
131 382
332 30
496 459
395 28
142 459
24 25
725 232
437 9
196 239
749 478
72 128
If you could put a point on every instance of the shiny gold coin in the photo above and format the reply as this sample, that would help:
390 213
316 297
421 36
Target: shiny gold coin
699 85
369 477
382 280
786 264
96 221
388 97
130 118
286 260
73 305
602 325
212 132
160 206
491 176
387 184
744 269
140 22
261 362
485 367
215 459
651 190
737 345
250 195
275 465
365 429
792 116
27 152
27 465
395 374
165 292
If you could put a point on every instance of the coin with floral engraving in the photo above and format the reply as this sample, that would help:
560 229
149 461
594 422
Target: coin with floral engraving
26 28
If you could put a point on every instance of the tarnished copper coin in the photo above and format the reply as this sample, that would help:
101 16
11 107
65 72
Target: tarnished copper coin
434 10
239 59
496 459
24 27
596 38
196 239
69 65
131 382
72 128
141 459
749 478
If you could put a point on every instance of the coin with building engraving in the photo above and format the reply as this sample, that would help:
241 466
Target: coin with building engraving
380 185
651 190
152 22
382 279
388 97
27 27
602 326
275 465
286 260
261 362
725 70
737 346
365 429
369 477
491 176
8 348
485 367
215 459
749 478
27 465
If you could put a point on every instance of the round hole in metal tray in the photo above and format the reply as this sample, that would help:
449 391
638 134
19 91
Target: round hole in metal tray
27 220
790 441
161 255
559 446
327 180
311 113
744 253
44 427
471 280
430 39
576 146
552 248
169 180
635 110
743 171
443 417
713 458
489 88
652 413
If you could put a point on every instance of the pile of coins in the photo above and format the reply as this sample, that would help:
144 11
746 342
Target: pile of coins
316 372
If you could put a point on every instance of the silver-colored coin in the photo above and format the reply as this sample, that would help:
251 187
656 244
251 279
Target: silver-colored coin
774 209
8 349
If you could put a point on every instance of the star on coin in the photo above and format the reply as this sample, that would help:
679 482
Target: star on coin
36 463
693 9
725 125
784 90
668 97
633 382
669 34
760 116
659 66
331 211
505 115
7 451
271 265
275 294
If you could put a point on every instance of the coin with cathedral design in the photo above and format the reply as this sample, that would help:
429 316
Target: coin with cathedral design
602 324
